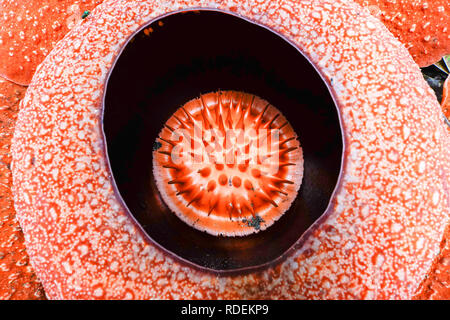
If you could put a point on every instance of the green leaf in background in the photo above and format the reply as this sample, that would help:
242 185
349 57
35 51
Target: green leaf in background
446 60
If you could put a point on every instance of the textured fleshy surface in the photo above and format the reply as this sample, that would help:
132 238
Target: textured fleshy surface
17 279
437 283
423 26
29 30
386 220
214 180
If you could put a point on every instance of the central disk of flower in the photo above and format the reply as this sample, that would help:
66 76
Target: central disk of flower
228 163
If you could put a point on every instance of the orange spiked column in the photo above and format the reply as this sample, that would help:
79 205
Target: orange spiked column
30 29
229 163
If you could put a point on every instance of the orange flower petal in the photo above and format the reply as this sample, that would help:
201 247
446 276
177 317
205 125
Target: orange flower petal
17 279
422 26
377 240
437 284
29 31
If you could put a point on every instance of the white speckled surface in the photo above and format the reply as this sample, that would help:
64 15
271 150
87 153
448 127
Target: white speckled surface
421 25
29 30
387 218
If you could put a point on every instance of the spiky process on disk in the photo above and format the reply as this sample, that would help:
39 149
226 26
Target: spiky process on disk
229 163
